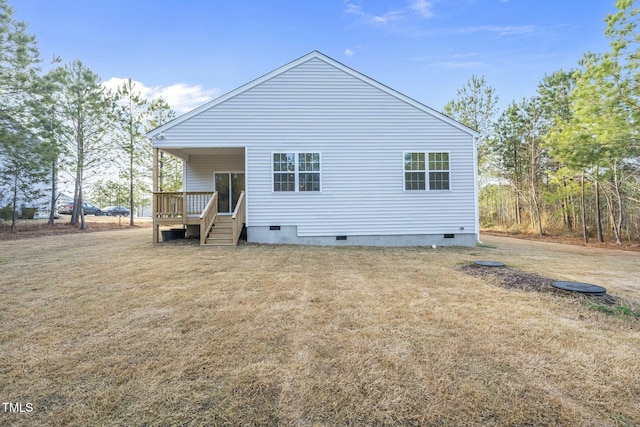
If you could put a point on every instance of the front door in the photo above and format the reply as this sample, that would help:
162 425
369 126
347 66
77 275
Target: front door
229 185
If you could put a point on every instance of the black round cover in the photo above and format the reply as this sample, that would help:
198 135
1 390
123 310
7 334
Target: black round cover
489 263
584 288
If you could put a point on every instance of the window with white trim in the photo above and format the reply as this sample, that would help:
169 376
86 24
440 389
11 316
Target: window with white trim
418 166
414 171
309 171
438 171
284 177
296 171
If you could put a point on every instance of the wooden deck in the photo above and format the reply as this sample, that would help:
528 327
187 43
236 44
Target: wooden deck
198 208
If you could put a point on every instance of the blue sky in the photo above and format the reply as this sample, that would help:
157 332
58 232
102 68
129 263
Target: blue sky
192 51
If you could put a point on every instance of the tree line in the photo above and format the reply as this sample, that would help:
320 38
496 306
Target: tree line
66 123
566 160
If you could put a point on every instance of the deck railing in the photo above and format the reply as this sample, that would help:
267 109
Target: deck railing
202 206
181 204
208 217
238 218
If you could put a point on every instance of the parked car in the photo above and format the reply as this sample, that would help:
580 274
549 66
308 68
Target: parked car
89 209
115 211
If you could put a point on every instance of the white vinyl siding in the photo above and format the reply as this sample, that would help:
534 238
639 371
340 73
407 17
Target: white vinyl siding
200 169
361 132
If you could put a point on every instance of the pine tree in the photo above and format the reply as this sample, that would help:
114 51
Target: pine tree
22 157
132 112
86 115
476 107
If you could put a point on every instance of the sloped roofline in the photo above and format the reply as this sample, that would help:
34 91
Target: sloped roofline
312 55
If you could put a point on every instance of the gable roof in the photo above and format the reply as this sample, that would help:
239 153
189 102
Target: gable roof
312 55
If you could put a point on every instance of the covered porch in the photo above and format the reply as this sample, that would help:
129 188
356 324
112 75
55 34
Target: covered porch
212 199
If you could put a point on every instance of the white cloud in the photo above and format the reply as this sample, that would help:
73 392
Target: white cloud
507 30
183 97
349 52
180 96
423 8
391 16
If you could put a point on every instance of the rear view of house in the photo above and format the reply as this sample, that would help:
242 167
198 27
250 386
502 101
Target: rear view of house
317 153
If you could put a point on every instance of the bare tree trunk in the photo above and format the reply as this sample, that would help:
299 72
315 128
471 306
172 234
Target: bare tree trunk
536 212
504 206
75 211
14 203
574 216
534 191
598 215
566 215
131 201
617 222
80 195
78 205
54 190
584 213
518 208
81 203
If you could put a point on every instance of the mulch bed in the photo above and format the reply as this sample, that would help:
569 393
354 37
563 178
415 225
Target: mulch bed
514 279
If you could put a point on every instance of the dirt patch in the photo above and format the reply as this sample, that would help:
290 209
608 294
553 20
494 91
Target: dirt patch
514 279
569 240
37 228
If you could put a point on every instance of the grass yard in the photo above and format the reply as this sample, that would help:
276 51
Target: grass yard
106 329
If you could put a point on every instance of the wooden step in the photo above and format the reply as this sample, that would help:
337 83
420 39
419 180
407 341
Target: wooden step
222 225
219 239
222 232
216 231
219 243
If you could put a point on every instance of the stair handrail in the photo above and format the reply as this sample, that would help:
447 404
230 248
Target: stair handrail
238 218
208 217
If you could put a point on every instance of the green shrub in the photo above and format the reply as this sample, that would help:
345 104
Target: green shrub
28 213
5 213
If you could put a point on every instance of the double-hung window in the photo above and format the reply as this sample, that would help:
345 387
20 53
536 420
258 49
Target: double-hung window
284 177
296 171
438 171
426 170
414 171
309 171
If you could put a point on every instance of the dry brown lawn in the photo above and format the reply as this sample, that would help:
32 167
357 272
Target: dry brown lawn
106 329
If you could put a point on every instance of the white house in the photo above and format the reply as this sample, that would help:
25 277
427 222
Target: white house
315 152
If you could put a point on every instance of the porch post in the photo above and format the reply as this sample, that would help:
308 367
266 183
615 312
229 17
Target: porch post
154 200
184 207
